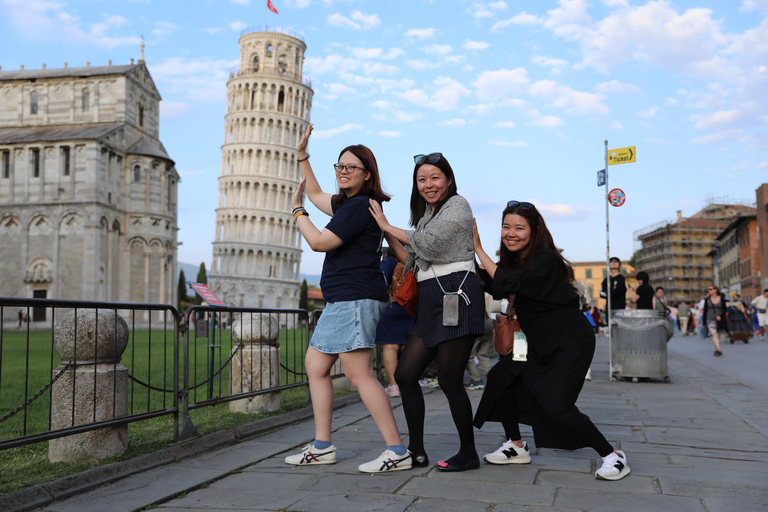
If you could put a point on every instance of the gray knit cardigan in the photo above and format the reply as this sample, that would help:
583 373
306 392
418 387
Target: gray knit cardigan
442 238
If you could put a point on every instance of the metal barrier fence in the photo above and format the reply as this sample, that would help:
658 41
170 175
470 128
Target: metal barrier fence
65 348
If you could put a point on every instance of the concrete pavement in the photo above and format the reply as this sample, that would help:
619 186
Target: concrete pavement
698 443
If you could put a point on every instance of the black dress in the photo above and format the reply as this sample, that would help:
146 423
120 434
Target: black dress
561 344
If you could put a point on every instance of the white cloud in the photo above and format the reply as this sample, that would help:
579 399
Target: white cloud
390 134
454 122
237 26
421 64
547 122
479 109
356 21
616 87
504 124
716 138
574 102
496 84
163 28
47 21
716 120
200 79
523 19
376 53
647 114
560 211
557 65
421 33
326 134
173 109
439 50
241 2
340 89
475 45
754 5
444 94
670 102
482 10
212 30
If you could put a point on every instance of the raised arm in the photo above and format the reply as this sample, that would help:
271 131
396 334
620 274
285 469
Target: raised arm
319 198
319 241
485 260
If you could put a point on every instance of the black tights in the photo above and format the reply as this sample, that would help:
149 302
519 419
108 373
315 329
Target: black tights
452 356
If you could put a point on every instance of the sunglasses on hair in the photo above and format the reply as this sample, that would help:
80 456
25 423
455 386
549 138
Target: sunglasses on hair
517 204
432 158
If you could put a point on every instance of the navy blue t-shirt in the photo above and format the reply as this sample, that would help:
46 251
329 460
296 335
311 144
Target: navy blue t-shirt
351 271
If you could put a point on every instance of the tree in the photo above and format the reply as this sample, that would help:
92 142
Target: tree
181 294
303 299
202 277
633 260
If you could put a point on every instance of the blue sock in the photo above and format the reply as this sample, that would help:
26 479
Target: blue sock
399 449
322 445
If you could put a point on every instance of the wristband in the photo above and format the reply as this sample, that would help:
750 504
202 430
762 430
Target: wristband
299 214
302 159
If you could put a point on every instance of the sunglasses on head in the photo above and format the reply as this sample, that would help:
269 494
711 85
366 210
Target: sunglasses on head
517 204
432 158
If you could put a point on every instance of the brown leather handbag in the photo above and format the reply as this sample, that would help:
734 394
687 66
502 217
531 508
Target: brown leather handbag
506 326
407 295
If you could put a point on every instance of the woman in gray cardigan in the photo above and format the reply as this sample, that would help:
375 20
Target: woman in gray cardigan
440 253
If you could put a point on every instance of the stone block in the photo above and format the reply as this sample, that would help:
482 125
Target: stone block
79 335
255 366
255 328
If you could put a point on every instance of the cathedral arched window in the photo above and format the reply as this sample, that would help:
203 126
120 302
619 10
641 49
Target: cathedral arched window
86 100
255 62
296 61
141 115
269 51
136 174
33 103
281 65
280 101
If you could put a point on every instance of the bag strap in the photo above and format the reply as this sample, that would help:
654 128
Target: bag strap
460 293
511 306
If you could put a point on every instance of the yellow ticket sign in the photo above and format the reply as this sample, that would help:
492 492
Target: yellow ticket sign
621 156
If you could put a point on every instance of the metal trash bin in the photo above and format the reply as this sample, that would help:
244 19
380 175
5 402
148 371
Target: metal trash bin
639 344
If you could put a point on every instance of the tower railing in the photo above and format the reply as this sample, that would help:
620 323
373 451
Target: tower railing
269 71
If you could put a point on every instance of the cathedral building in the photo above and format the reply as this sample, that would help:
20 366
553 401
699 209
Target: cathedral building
88 194
256 248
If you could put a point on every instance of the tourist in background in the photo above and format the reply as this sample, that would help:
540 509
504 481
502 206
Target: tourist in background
714 316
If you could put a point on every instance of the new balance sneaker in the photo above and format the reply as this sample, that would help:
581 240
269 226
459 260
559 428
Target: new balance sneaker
311 455
429 383
386 462
475 385
509 454
614 467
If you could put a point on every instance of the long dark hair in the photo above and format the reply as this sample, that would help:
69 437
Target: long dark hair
371 187
541 240
418 203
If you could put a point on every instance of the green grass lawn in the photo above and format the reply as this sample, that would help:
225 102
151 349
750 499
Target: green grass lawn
27 363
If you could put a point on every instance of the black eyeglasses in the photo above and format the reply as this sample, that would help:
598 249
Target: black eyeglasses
432 158
349 169
517 204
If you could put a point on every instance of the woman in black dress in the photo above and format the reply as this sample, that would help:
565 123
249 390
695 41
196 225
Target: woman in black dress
543 390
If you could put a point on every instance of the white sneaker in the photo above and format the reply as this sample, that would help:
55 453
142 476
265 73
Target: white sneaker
311 455
509 454
614 467
386 462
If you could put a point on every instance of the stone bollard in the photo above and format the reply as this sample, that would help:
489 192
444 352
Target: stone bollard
256 362
94 382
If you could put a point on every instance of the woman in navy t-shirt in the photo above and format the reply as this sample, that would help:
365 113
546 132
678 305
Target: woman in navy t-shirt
356 295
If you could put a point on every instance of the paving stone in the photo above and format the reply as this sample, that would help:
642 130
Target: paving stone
252 481
632 484
360 482
489 492
723 504
440 505
137 492
351 502
508 507
732 491
510 473
608 501
236 456
255 499
27 499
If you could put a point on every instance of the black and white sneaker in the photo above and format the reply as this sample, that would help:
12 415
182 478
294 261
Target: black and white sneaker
386 462
614 467
509 454
311 455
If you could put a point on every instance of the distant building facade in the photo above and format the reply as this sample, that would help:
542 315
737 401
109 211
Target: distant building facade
736 263
257 246
88 194
679 255
761 213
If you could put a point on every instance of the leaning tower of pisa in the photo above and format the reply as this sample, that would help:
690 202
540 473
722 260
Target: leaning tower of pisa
256 248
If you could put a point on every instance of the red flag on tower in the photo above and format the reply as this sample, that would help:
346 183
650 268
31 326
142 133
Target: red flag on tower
271 7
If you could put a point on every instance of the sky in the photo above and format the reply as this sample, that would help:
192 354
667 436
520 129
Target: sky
519 96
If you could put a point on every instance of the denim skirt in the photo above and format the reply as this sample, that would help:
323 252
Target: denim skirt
345 326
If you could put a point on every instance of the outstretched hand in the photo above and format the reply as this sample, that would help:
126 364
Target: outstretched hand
298 195
378 214
477 244
304 140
